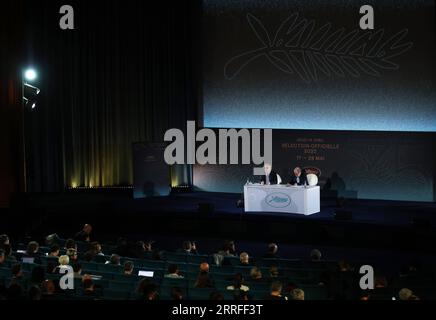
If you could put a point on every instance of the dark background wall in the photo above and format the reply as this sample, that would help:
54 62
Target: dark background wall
363 165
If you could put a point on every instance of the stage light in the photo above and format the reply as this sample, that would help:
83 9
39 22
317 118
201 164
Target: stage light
30 74
33 105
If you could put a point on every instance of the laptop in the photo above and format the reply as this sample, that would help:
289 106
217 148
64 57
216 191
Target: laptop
28 260
148 274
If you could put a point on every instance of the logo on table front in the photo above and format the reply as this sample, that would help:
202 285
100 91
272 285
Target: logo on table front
278 200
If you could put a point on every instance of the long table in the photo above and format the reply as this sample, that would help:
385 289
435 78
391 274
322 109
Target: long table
282 198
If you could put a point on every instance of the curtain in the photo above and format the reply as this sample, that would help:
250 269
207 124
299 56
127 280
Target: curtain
127 73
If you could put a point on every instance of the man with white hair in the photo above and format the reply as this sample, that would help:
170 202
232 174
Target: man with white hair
270 176
298 178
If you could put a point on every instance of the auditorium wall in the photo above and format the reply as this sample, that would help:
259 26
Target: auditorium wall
362 165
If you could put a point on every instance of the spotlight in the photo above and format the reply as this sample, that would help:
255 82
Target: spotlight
29 89
30 74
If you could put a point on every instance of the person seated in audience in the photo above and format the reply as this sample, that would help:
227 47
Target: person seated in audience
272 251
70 244
147 290
85 234
344 266
315 255
256 274
276 292
227 250
204 281
406 294
145 250
188 248
48 290
35 293
37 276
173 272
77 269
114 260
88 287
17 273
88 256
2 258
32 252
128 268
4 240
244 259
241 296
216 296
54 251
64 262
8 253
274 272
14 292
176 293
72 254
95 248
297 294
237 284
204 267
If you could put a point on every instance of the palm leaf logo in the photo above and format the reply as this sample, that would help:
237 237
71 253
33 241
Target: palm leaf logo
299 47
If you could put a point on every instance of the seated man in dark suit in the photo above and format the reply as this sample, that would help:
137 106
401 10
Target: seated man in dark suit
270 176
298 178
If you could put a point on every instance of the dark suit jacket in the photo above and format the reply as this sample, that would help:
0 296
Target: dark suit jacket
272 178
303 179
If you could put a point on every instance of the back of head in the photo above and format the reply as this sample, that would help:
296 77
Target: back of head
38 275
274 271
49 287
114 259
204 267
71 253
176 293
243 257
70 243
172 269
276 287
32 247
4 239
272 248
187 245
88 284
64 260
255 273
217 296
405 294
315 255
54 249
35 293
77 267
298 294
16 270
128 266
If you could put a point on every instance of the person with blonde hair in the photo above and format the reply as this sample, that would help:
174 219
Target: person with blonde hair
244 259
298 294
255 274
64 260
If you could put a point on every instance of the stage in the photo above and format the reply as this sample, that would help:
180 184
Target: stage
347 223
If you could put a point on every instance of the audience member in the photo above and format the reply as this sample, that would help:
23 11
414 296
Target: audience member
276 292
85 234
272 251
173 272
